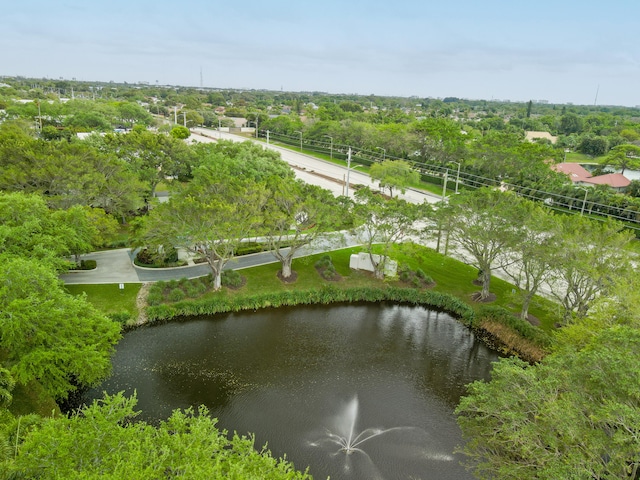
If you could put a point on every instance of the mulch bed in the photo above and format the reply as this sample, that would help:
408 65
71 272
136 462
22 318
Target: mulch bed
291 279
336 276
476 297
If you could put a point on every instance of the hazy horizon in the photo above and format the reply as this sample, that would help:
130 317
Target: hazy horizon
561 52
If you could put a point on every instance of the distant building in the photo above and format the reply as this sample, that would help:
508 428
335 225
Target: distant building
582 177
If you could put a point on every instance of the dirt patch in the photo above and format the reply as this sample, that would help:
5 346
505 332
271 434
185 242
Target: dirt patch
535 321
290 279
476 297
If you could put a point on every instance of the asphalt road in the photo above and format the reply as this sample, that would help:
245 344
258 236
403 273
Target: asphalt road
314 170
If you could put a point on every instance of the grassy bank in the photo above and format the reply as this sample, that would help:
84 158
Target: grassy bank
454 285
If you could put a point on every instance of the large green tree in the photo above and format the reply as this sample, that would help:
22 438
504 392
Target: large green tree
47 335
575 415
104 440
485 223
394 174
623 157
383 223
295 214
592 254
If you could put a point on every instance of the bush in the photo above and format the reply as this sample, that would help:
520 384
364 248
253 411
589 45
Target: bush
176 295
121 317
87 265
231 278
329 273
155 297
324 262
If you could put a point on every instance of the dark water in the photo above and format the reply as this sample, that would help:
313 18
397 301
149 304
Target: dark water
301 377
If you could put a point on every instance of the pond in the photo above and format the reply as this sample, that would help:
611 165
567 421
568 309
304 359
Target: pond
354 391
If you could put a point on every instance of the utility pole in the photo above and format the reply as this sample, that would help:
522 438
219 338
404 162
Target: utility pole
348 170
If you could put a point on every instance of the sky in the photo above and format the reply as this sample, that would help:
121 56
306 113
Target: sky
562 51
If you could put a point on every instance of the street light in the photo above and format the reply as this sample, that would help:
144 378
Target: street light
331 147
384 152
256 122
457 175
348 170
298 131
584 200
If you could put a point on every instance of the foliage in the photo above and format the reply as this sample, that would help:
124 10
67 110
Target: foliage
575 415
394 174
186 445
180 132
59 340
232 278
484 223
384 222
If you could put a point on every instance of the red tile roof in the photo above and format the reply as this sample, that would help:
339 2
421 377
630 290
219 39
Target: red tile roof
578 174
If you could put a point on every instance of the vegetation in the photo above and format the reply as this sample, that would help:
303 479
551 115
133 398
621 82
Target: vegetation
573 414
186 445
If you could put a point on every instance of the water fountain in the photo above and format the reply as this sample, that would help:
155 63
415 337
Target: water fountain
342 439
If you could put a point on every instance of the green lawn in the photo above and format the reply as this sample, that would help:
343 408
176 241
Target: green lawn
575 157
108 298
451 276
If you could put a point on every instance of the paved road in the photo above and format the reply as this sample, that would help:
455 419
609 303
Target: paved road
314 170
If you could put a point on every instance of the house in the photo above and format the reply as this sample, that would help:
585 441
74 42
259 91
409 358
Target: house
582 177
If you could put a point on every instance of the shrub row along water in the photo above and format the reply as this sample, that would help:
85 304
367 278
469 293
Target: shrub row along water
325 295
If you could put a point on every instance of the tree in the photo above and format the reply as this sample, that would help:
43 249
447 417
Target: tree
575 415
29 228
485 223
180 132
622 157
209 218
47 335
530 260
104 440
394 174
295 214
592 255
383 223
570 123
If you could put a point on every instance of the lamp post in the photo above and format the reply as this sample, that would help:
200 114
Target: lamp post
457 175
219 128
384 152
298 131
348 170
331 146
584 200
256 122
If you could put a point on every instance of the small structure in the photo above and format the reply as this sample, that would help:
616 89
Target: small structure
582 177
362 261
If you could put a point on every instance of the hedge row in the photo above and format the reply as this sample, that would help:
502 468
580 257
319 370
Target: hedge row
325 295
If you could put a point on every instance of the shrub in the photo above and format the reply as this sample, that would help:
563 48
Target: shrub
231 278
329 273
121 317
324 262
87 265
155 297
176 295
